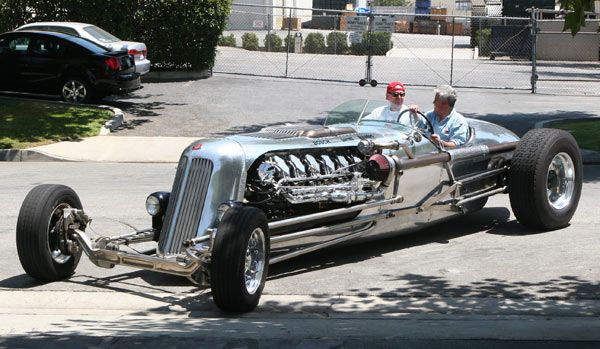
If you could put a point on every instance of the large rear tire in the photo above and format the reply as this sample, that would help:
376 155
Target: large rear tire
240 259
41 242
545 178
76 90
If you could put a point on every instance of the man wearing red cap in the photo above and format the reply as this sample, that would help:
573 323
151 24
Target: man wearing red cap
395 95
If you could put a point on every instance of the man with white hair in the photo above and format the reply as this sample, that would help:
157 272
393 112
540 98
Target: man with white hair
450 128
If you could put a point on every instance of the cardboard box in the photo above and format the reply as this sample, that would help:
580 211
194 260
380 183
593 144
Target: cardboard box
402 26
456 29
344 21
296 24
425 27
439 14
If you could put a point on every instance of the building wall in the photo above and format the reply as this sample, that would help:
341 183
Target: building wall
263 18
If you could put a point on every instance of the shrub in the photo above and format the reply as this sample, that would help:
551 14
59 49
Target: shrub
314 43
227 40
482 40
337 43
381 43
272 42
250 41
288 41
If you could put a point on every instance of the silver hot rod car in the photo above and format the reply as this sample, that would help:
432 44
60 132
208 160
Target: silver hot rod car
246 201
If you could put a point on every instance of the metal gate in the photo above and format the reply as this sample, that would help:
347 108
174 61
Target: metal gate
561 63
420 50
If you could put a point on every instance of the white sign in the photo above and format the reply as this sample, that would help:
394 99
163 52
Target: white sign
355 37
384 23
357 23
258 23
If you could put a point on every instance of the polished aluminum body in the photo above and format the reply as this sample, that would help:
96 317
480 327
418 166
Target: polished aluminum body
316 165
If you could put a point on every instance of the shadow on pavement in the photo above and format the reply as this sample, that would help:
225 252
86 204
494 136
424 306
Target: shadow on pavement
415 293
591 174
136 105
520 123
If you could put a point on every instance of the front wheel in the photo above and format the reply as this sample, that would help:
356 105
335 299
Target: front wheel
240 259
42 244
545 178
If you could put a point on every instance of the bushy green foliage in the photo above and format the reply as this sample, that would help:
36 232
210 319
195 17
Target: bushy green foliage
314 43
179 34
182 33
289 41
381 43
482 40
250 41
272 42
228 40
337 43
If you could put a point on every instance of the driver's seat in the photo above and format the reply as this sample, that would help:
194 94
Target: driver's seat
470 137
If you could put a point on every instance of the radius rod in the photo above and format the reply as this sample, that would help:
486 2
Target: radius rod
454 155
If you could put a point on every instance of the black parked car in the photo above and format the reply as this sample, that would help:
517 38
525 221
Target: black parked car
54 63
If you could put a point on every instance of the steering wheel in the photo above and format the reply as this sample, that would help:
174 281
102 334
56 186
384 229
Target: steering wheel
416 121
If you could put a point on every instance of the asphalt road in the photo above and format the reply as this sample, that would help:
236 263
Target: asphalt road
227 104
478 280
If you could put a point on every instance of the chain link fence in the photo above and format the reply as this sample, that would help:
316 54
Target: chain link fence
422 50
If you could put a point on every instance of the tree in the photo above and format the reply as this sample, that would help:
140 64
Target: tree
575 17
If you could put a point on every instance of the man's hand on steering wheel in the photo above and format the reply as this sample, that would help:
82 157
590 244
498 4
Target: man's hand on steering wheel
414 110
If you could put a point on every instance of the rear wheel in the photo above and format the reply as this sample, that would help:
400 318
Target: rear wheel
240 259
76 90
545 179
42 243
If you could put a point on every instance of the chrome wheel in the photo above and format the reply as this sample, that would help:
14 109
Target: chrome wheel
255 261
57 241
560 181
74 91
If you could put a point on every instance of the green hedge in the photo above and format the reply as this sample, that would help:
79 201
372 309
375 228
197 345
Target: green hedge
381 43
314 43
179 34
250 42
227 40
337 43
273 42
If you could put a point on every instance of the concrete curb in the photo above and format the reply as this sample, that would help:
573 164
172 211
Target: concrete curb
34 155
173 76
589 157
117 121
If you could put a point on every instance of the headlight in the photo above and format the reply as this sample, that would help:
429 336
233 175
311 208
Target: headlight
157 202
153 205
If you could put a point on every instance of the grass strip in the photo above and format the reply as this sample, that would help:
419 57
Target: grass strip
29 123
585 132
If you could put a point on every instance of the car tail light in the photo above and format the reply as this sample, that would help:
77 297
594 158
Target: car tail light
113 63
137 53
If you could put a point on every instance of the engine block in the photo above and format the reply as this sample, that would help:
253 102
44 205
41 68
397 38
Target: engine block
307 177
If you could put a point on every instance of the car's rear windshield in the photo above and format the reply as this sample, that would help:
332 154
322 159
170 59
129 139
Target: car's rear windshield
90 45
100 34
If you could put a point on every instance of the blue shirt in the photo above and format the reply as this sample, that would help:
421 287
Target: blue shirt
453 128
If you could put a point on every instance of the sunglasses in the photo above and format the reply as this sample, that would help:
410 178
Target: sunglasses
397 94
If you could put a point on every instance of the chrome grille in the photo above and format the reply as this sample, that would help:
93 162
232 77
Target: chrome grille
185 204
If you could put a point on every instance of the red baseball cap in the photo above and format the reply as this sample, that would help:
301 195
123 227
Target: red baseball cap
395 86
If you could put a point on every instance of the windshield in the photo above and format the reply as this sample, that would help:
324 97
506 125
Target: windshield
100 34
351 112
